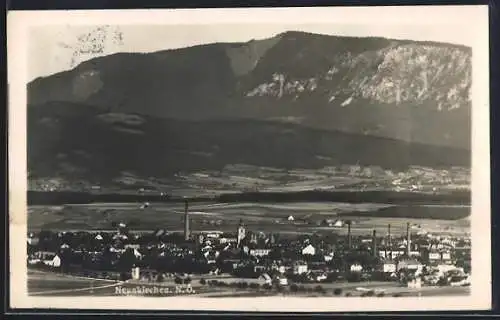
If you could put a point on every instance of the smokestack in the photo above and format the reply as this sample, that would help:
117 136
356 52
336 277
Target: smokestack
186 221
408 239
389 240
349 241
374 243
389 235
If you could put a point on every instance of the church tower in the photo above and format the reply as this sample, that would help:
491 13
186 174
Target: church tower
241 232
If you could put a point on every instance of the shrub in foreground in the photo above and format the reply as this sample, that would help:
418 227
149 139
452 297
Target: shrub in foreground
318 289
254 285
267 286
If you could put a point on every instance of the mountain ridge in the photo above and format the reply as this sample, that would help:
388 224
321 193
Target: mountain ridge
364 96
279 35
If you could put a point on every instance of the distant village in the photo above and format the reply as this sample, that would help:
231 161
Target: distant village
270 259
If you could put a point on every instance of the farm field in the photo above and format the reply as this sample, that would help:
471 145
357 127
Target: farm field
238 178
265 217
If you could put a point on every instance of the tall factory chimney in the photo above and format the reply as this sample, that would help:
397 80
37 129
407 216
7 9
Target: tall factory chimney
374 243
187 232
408 239
349 239
389 240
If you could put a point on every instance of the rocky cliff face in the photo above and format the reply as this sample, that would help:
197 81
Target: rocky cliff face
358 93
417 92
395 75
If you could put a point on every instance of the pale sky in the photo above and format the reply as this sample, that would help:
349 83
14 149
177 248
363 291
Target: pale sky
57 48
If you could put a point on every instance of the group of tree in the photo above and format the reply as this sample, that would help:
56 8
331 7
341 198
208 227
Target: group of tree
182 280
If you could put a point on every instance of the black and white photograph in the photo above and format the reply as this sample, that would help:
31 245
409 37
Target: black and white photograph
264 159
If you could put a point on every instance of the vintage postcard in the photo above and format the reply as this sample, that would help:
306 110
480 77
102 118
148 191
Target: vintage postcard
307 159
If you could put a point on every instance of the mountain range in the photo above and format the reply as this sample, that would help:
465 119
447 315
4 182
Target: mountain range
296 100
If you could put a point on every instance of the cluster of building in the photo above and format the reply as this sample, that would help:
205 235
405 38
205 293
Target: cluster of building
427 179
412 259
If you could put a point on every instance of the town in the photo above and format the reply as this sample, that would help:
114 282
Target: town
260 260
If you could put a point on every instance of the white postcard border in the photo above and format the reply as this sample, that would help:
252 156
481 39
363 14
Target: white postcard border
477 20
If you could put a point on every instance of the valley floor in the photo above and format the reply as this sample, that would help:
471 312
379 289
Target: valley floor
307 217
